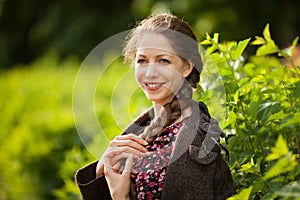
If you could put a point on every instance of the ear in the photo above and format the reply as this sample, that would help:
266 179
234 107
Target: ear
187 69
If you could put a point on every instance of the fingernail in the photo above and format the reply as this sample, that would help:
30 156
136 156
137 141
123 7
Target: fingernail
147 153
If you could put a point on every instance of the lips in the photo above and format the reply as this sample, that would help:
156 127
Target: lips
153 86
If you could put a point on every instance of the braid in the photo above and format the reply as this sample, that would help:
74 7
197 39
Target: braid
169 113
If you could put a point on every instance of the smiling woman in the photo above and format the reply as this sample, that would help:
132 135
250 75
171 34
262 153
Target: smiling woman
172 151
159 71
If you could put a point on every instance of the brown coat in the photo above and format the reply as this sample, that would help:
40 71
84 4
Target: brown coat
191 173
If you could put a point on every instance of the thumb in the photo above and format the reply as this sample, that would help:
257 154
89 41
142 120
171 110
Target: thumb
128 165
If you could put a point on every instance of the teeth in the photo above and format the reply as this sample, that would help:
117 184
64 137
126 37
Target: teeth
153 85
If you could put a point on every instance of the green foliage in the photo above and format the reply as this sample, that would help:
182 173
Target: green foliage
262 101
40 147
37 129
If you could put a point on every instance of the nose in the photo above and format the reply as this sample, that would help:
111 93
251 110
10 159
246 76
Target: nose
151 71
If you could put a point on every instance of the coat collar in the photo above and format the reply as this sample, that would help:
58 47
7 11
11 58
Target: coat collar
192 116
195 120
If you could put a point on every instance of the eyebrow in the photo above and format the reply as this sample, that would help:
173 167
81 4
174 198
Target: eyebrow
159 55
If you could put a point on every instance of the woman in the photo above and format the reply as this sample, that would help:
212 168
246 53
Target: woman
172 151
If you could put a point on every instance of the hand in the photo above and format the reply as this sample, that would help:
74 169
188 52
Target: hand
119 149
119 184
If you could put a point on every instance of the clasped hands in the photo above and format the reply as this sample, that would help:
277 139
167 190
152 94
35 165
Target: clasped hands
117 162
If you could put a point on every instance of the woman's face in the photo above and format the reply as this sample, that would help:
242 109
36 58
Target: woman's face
158 69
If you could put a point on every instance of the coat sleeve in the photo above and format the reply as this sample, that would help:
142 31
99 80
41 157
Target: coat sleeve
90 187
223 180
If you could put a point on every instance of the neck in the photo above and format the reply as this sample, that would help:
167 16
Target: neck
157 108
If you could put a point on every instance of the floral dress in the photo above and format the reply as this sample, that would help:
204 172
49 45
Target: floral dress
151 169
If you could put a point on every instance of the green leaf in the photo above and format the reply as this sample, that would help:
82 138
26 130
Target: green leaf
280 149
268 45
230 119
295 41
258 41
250 167
267 109
269 48
283 165
242 195
296 93
289 51
266 32
208 36
236 51
290 120
216 38
277 116
207 40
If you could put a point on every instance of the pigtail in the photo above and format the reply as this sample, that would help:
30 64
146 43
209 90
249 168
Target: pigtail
169 113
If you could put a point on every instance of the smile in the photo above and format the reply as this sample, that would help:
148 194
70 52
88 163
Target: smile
153 86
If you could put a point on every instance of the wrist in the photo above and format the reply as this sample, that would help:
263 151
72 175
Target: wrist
118 197
99 170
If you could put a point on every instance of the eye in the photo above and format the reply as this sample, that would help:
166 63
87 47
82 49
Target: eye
164 61
141 61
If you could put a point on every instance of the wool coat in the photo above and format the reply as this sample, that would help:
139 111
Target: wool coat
196 169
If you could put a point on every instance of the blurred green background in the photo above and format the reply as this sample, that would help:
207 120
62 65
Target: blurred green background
42 45
29 29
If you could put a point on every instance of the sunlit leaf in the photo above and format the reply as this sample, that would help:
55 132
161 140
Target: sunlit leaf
267 109
295 41
207 40
258 41
216 38
291 119
236 51
281 166
230 119
278 116
266 32
249 167
269 48
242 195
289 51
280 149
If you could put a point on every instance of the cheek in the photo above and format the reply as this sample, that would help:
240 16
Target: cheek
138 75
173 75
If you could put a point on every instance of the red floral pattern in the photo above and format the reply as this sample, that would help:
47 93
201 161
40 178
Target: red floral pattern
151 169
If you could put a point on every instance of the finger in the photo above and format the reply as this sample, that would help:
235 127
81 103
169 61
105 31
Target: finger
113 159
128 143
126 155
112 152
121 169
108 170
117 166
132 137
128 165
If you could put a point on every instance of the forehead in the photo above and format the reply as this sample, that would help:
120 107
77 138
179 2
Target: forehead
155 41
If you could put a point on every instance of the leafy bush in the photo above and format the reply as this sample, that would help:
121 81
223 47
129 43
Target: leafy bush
263 115
37 129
